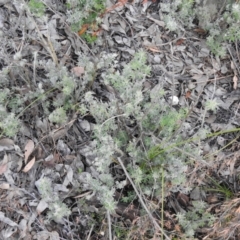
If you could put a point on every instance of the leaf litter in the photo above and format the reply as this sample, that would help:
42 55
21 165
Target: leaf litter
187 74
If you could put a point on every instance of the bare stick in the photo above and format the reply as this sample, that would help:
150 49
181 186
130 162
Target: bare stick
109 226
90 232
141 200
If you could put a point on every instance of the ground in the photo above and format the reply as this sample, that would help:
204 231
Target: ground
61 153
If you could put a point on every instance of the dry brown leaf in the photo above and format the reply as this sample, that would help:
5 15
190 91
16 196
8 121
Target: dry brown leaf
56 134
51 160
38 153
29 165
200 31
183 199
235 82
78 71
159 23
41 206
4 185
28 149
153 49
177 228
83 29
211 199
69 158
97 32
180 41
188 94
118 4
237 212
6 144
3 168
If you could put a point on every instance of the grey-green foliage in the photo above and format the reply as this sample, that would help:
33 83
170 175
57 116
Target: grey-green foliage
154 119
232 18
177 13
13 102
103 190
8 122
59 83
225 28
83 12
196 218
65 84
58 115
128 84
37 7
221 21
57 209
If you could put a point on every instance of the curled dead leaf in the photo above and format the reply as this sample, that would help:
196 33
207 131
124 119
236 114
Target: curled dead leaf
28 149
237 212
200 31
180 41
97 32
153 49
6 144
78 71
51 160
235 82
4 185
83 29
159 23
41 206
119 3
29 165
3 168
183 199
177 228
56 134
188 94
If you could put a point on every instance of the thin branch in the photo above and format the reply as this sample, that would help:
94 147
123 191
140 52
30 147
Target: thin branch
141 200
46 44
90 232
234 62
192 156
109 225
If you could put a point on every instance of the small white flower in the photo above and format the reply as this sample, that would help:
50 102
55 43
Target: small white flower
175 100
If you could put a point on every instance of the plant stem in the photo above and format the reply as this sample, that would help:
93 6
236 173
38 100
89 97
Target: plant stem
162 199
141 200
52 89
109 225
